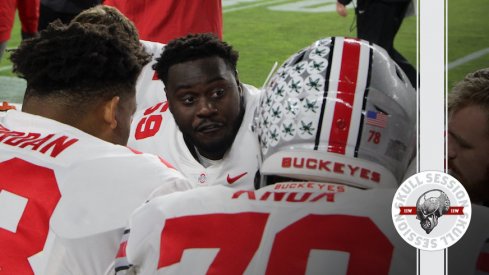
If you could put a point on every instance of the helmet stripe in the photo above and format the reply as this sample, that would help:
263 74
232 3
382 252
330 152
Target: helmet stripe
345 97
341 113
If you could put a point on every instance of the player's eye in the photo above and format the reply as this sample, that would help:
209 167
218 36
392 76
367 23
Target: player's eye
188 99
217 93
460 142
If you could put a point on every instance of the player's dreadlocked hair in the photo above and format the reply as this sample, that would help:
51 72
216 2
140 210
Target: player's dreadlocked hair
106 15
192 47
79 62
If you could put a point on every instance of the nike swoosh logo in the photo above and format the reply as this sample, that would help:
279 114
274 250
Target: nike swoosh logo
232 180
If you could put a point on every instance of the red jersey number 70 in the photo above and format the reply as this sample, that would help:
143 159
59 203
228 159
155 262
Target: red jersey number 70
238 237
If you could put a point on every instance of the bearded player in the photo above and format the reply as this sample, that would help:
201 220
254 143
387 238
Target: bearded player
336 126
203 128
67 185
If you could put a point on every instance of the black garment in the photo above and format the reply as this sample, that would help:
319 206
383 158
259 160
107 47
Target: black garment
378 22
65 10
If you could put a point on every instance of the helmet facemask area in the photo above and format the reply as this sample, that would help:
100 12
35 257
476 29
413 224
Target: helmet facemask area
337 111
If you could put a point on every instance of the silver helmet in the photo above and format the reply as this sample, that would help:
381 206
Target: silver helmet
339 110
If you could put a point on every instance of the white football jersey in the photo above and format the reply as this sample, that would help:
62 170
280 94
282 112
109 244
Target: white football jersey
286 228
154 130
65 195
149 88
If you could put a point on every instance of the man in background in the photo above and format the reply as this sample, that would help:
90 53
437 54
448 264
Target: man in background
162 21
378 21
28 15
68 182
64 10
468 161
468 134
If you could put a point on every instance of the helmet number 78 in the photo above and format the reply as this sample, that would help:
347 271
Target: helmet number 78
374 137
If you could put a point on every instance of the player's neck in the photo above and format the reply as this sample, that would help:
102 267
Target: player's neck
202 153
52 108
47 107
206 162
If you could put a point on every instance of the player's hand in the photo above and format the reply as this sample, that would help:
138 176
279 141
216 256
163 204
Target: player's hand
341 9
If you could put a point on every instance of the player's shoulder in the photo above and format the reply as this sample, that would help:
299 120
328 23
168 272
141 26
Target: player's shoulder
126 152
117 181
251 91
47 139
374 201
6 106
150 124
251 97
206 194
188 201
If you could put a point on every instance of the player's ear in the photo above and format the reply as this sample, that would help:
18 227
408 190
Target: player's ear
110 111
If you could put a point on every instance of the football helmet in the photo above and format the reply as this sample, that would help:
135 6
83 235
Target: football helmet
340 110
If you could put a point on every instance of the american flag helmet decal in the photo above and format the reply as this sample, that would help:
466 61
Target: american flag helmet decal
341 97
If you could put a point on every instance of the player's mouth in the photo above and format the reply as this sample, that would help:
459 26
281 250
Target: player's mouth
209 127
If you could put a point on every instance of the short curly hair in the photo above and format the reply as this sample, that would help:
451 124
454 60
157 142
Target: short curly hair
79 62
107 15
472 90
193 47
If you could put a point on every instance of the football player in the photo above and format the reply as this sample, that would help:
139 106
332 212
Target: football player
336 126
153 129
67 182
149 89
203 128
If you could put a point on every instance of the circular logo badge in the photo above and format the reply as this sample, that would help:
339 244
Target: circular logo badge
431 210
202 178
